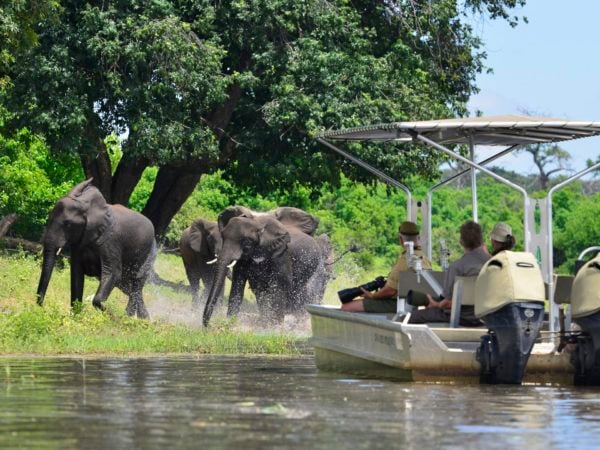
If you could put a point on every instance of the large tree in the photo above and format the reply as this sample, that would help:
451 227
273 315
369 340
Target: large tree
198 85
549 159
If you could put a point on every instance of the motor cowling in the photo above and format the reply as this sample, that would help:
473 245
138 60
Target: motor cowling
585 310
510 297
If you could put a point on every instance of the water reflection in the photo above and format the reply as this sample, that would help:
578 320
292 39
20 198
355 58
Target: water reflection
230 402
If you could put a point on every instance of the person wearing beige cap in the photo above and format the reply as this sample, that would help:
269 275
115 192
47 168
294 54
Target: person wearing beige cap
384 300
502 238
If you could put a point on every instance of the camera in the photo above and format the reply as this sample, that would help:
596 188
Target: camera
347 295
417 298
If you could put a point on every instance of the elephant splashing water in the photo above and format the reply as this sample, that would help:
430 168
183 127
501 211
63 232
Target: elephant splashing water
274 252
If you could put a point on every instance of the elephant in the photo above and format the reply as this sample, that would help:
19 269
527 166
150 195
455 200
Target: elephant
283 264
199 245
110 242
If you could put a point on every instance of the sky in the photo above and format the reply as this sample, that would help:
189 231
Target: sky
549 66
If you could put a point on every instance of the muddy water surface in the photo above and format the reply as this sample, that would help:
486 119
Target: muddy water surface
241 402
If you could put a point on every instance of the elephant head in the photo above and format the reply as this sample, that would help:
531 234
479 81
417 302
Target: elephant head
205 238
233 211
79 218
258 238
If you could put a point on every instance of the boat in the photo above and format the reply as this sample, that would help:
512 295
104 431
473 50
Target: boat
540 327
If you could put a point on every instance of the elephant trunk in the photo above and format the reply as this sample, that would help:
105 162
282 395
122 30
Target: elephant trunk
217 286
47 268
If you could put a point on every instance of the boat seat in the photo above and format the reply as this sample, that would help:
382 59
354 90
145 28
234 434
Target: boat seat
562 289
562 296
407 281
462 294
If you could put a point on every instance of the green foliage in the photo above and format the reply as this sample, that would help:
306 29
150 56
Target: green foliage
18 19
31 180
369 214
242 86
580 227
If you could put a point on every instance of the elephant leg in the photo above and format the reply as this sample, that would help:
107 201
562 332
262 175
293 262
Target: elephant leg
77 280
135 305
141 310
131 307
238 283
194 280
299 297
109 277
270 305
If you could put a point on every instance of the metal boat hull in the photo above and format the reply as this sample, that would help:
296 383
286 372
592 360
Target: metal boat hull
373 345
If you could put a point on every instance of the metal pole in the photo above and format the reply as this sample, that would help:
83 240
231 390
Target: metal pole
429 226
550 274
454 177
486 171
473 180
378 173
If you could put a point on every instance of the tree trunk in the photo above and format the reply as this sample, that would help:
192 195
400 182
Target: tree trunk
126 178
6 222
16 244
96 162
171 189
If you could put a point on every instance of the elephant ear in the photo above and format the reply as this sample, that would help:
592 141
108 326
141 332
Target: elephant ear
204 231
98 213
197 232
274 238
79 189
230 212
296 217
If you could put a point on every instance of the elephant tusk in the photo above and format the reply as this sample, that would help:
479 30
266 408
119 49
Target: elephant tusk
58 251
230 266
212 261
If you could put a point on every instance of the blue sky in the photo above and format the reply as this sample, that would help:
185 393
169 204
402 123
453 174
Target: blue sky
550 66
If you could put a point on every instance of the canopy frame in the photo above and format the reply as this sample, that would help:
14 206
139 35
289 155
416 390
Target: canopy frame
512 133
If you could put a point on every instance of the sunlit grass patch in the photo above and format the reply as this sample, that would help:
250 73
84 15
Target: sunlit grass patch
55 329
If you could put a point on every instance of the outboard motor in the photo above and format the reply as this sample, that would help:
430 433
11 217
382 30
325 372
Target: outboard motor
585 311
510 298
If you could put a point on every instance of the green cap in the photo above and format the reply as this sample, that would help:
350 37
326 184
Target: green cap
409 228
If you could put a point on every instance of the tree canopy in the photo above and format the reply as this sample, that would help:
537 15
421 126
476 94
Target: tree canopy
193 86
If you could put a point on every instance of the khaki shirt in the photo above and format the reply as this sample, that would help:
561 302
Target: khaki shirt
402 266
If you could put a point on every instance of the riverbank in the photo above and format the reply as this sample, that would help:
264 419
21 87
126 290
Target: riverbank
54 329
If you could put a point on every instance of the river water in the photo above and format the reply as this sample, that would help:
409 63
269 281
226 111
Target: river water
260 402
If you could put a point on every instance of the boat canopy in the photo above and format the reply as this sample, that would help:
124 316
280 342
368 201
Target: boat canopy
506 130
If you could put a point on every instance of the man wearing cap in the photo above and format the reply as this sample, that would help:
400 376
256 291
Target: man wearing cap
384 300
502 238
469 265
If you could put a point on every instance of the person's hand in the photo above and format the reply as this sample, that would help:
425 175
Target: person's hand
432 303
366 294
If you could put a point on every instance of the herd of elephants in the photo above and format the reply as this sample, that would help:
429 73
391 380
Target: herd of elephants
276 252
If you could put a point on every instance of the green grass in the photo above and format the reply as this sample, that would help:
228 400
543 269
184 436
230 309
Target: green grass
54 329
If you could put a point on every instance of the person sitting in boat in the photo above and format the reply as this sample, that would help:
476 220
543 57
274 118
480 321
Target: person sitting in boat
469 265
384 300
502 238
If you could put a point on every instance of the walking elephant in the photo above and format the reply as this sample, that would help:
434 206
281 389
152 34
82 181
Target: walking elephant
106 241
281 262
199 246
